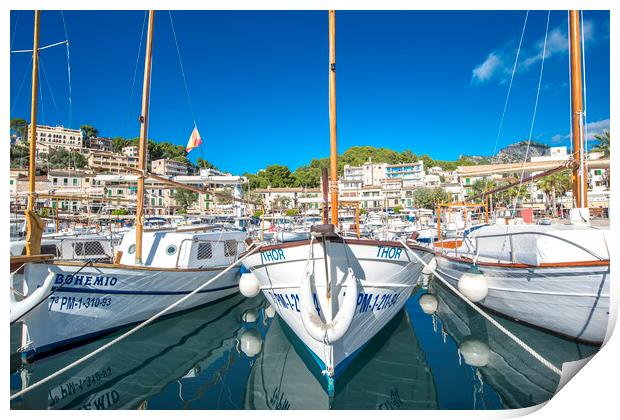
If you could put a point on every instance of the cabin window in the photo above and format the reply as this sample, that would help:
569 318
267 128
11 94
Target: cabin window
48 249
88 248
230 248
132 248
171 250
204 251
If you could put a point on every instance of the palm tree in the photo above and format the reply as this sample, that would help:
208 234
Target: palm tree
552 185
19 127
603 143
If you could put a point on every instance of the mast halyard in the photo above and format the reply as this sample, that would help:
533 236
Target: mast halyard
144 117
579 176
33 137
333 155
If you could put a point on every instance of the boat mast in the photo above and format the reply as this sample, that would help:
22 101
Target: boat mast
579 178
33 128
333 155
144 117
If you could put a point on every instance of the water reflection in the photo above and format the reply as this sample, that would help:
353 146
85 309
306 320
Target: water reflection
438 353
390 373
519 379
201 343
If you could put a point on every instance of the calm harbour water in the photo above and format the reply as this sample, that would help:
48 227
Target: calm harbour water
196 360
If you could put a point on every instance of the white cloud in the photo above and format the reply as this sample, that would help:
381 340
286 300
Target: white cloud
597 127
594 127
488 68
498 64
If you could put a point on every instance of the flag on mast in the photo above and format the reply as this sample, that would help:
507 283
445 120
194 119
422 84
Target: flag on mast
194 140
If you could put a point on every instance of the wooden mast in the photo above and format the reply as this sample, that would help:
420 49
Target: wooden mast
333 155
144 117
33 134
579 178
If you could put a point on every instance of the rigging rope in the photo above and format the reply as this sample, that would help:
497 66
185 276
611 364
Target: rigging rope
514 69
26 73
529 138
189 100
131 331
49 86
584 138
15 29
135 70
489 318
68 70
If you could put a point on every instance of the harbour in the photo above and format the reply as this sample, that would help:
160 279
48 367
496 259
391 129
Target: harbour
144 277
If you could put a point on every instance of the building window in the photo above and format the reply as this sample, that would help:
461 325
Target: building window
65 181
75 181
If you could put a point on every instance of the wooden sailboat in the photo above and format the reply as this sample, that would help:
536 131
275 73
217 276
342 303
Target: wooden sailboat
67 302
555 277
335 293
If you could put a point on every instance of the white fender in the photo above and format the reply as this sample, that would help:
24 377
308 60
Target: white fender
19 308
342 321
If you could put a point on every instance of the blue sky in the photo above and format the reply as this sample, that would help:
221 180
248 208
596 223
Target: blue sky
432 82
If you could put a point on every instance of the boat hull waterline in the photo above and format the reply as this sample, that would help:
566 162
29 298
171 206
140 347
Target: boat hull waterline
100 299
570 300
385 272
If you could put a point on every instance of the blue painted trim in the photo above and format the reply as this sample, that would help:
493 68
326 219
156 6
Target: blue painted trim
136 292
63 345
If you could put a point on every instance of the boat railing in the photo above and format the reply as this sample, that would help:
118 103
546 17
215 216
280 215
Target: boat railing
511 235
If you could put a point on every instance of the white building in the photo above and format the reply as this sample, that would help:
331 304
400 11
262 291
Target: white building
412 174
169 167
49 138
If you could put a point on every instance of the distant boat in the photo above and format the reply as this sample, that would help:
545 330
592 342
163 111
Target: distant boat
334 292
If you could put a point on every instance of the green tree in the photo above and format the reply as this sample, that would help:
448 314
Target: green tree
280 203
554 185
119 212
20 156
398 209
603 143
20 127
118 143
185 198
62 158
292 212
89 131
428 198
204 164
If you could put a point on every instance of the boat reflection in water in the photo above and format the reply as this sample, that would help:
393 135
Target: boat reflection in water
390 373
519 379
168 357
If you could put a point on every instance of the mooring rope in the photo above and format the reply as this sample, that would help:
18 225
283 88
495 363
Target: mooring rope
133 330
500 327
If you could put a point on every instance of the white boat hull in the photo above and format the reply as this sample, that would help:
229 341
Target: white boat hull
386 275
102 298
571 300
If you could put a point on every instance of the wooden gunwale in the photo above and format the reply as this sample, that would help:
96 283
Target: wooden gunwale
601 263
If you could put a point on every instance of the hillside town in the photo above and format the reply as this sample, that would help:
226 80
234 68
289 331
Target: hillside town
376 186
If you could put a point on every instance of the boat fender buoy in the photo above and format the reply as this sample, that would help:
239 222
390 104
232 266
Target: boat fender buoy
312 322
475 352
251 343
248 285
250 316
473 284
428 303
428 269
270 311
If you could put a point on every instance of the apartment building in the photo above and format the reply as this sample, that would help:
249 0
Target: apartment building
102 161
169 167
99 143
49 138
412 174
